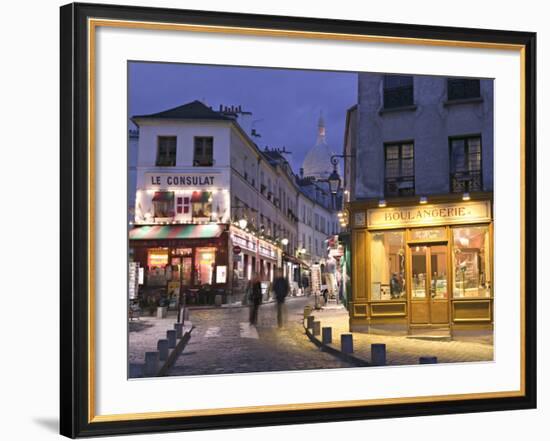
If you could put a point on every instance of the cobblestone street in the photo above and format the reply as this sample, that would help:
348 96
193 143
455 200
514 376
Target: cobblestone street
223 342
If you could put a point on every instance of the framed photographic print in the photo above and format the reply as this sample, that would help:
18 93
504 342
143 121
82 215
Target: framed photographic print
254 206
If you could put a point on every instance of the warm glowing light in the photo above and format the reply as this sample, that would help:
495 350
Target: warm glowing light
284 241
423 200
466 197
243 223
382 203
340 214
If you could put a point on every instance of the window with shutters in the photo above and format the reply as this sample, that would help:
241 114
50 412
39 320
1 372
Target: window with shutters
465 164
166 151
398 91
399 169
462 89
204 151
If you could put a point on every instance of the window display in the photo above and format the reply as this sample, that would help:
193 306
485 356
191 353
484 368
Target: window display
387 266
205 259
163 204
471 262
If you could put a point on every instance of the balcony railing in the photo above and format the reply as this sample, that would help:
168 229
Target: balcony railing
401 186
464 182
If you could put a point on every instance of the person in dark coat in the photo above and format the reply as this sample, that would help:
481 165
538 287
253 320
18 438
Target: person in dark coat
281 289
255 299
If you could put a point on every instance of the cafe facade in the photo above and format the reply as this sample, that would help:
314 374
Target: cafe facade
422 268
190 198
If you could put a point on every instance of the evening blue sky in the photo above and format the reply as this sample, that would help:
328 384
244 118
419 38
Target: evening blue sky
286 102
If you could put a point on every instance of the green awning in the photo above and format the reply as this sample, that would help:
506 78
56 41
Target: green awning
163 196
152 232
201 196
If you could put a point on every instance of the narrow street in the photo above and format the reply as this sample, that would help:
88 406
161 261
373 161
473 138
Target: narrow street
223 342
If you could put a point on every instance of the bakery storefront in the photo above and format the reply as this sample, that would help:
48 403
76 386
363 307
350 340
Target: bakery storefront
422 268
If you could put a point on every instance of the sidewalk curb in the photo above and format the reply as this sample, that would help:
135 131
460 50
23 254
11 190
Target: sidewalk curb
180 346
359 362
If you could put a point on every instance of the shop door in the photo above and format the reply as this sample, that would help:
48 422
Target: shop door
429 277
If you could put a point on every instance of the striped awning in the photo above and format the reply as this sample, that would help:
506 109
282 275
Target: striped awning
163 196
151 232
201 196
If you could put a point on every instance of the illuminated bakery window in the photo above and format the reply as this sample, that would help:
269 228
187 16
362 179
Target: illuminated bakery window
387 265
471 262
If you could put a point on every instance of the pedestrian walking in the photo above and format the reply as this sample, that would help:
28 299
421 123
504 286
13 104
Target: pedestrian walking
255 298
281 288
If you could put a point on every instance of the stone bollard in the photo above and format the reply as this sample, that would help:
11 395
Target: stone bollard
307 311
427 360
310 320
162 347
179 329
317 328
346 343
378 354
327 335
218 300
171 336
151 364
161 312
186 314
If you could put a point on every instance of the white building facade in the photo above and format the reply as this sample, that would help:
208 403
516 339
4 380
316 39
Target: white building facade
185 233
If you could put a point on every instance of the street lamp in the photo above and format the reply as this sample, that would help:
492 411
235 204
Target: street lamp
243 223
334 180
284 241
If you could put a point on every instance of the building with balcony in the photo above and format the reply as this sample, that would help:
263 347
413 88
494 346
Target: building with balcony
419 182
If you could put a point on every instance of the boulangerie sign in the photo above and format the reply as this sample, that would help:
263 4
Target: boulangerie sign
419 215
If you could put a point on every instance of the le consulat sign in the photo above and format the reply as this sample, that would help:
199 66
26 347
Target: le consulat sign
425 215
183 180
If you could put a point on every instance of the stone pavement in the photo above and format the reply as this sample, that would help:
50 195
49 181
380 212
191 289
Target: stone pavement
223 342
144 334
402 350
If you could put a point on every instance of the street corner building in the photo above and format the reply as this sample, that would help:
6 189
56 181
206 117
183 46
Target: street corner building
208 208
419 179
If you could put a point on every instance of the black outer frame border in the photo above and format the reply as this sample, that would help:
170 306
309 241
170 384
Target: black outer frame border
74 224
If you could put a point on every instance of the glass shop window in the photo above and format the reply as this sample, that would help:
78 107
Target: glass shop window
157 267
471 262
163 204
387 265
205 261
201 204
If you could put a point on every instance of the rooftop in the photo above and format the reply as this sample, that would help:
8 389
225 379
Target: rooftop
192 110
